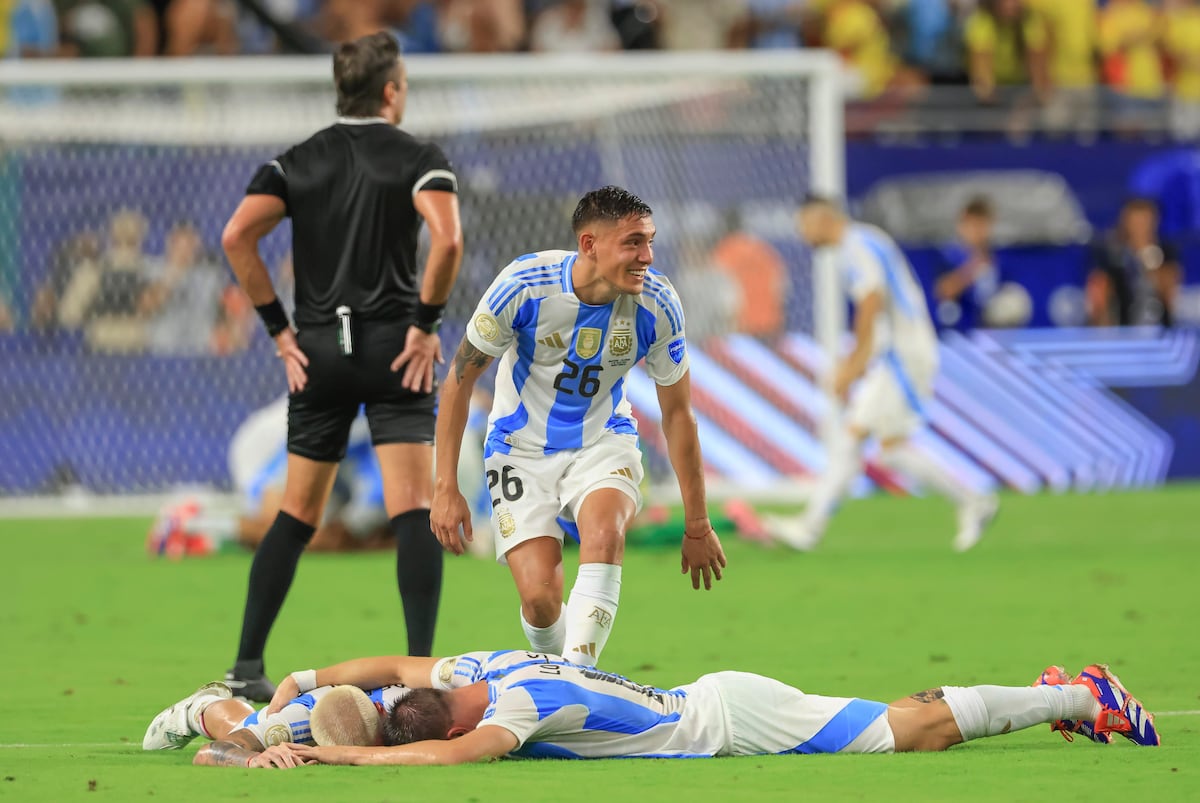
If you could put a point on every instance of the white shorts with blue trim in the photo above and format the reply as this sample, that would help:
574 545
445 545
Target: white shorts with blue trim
531 491
766 717
891 398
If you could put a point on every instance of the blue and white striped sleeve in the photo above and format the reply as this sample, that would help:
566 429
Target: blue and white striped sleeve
864 270
458 671
667 359
491 326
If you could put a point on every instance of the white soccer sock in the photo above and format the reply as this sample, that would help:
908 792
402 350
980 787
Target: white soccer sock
912 462
195 712
844 464
591 609
550 639
981 711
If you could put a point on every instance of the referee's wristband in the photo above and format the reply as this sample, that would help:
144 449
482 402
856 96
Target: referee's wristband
306 681
273 316
429 317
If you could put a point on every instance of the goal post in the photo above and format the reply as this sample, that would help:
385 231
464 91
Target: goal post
108 388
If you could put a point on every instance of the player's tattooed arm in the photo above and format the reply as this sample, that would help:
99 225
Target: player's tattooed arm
929 696
235 750
224 754
469 356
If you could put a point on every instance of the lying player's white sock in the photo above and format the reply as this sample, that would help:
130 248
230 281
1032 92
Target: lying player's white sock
195 712
912 462
992 710
844 464
591 609
550 639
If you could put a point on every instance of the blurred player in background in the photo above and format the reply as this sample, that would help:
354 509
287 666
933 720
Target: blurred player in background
563 442
895 356
513 703
357 193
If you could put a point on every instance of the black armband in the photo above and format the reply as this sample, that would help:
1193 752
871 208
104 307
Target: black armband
273 317
429 317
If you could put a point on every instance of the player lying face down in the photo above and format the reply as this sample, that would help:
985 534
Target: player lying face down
522 704
243 737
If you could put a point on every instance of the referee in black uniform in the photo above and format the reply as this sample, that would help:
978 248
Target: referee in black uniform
366 333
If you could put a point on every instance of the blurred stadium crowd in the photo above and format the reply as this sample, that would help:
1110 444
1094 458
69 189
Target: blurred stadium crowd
1065 61
1124 70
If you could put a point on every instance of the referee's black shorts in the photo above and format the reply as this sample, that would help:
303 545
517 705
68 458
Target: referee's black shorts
319 417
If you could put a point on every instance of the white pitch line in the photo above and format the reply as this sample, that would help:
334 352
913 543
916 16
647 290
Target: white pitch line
1192 713
75 744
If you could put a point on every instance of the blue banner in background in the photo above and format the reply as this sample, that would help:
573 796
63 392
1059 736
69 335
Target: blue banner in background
1025 409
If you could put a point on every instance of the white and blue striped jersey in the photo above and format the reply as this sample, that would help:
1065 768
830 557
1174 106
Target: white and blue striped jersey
557 709
869 260
561 380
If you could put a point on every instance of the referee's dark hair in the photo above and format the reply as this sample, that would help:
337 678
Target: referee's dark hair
361 69
608 203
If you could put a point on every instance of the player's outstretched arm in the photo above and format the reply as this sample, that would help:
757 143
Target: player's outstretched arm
701 552
242 749
365 673
450 515
484 743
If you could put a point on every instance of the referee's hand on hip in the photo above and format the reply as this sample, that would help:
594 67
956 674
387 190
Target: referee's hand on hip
294 360
422 351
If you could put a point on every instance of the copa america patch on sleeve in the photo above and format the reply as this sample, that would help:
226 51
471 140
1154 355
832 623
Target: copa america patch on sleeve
675 350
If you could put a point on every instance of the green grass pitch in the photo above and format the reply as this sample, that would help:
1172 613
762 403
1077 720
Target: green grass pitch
97 637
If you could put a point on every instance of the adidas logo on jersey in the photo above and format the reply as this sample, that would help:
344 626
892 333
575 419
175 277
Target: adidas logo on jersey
554 341
623 472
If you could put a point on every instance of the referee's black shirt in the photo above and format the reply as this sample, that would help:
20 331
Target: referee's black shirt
349 191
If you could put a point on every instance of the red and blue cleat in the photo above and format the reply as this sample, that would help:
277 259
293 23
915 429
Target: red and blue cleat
1057 676
1120 711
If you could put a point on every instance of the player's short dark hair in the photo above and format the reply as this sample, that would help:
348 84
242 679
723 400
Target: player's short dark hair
361 69
1140 203
417 716
608 203
979 206
817 199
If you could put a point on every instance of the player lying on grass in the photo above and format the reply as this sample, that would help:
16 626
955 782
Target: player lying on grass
243 737
540 706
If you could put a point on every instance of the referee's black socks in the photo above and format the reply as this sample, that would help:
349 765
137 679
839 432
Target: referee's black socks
271 576
419 576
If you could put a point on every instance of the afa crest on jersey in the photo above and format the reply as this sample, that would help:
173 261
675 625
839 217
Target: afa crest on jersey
587 342
620 342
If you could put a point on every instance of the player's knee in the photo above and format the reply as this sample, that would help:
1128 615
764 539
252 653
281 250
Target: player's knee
601 544
541 608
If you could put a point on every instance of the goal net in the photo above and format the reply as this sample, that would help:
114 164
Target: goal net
128 359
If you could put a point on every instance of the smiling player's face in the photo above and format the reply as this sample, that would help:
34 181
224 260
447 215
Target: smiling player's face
624 250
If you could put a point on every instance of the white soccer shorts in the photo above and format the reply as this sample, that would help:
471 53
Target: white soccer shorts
530 492
766 717
890 400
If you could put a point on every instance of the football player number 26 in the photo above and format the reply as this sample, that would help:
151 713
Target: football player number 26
510 484
587 381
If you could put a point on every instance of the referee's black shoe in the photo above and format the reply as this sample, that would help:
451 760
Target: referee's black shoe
250 685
